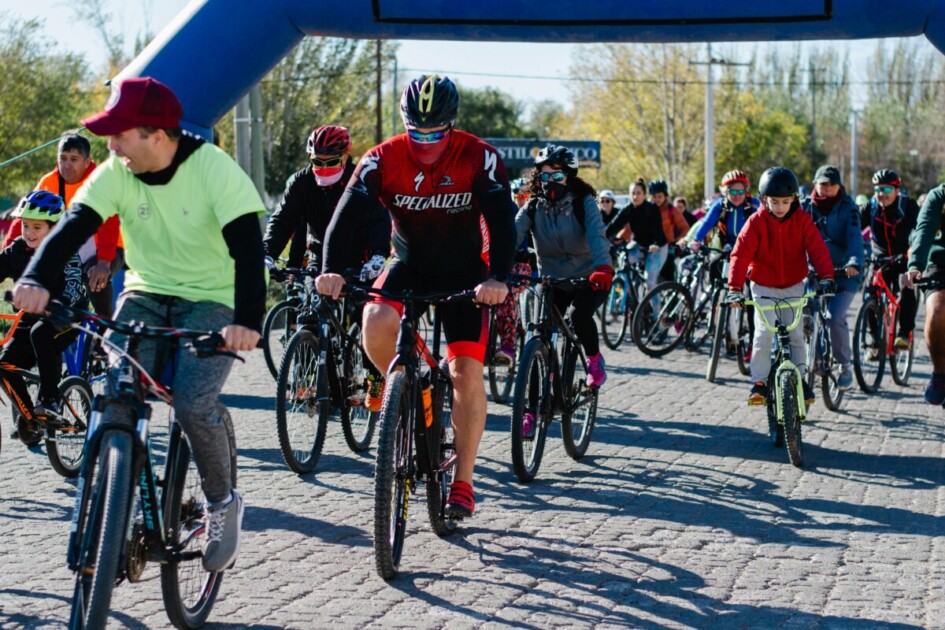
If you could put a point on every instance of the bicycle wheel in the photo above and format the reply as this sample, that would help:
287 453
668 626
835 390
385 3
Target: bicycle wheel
438 486
532 395
65 443
743 344
722 312
662 319
702 323
302 403
900 365
357 423
830 374
392 476
278 328
104 532
580 412
614 316
501 377
30 432
189 591
787 390
869 347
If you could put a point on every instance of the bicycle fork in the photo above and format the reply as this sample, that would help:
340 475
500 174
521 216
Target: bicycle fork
788 366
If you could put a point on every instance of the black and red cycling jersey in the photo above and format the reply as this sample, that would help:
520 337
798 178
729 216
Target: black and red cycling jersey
437 211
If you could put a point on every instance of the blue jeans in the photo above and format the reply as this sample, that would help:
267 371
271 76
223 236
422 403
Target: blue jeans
837 306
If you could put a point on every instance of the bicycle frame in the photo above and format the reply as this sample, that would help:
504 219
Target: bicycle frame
880 290
783 359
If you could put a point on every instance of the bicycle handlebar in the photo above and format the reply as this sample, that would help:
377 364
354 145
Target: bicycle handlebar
797 304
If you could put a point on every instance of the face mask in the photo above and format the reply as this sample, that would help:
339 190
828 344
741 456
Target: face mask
428 152
328 176
553 190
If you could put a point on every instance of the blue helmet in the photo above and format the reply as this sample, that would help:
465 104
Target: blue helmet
40 205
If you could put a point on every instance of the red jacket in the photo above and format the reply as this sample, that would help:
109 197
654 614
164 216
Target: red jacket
774 253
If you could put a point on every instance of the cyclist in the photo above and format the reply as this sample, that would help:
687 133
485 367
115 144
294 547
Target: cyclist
728 213
190 221
891 218
310 198
102 256
506 313
569 240
772 250
645 224
607 203
674 224
927 260
681 204
440 185
39 343
838 220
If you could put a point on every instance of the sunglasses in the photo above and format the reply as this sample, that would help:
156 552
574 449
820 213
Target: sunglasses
736 191
327 162
884 189
427 138
557 176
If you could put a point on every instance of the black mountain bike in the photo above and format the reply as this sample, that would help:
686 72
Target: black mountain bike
552 378
323 370
113 535
416 436
502 376
280 322
821 363
628 287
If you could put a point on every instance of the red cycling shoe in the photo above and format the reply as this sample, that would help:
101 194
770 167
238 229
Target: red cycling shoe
462 501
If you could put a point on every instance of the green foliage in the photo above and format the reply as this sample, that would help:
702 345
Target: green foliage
490 113
41 95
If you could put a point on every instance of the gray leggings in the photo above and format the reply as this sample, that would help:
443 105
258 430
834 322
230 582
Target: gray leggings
197 382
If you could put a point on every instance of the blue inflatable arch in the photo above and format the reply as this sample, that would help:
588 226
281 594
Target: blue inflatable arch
216 50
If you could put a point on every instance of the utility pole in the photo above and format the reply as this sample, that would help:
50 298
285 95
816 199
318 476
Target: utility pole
394 98
241 123
813 100
257 168
709 186
854 153
378 128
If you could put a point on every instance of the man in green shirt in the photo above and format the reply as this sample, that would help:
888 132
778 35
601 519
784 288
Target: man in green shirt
190 223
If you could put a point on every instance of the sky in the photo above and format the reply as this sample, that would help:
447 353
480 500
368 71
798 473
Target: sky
470 64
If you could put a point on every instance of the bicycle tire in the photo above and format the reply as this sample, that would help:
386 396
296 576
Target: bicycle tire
793 439
29 432
658 334
357 423
775 428
718 337
744 343
104 534
302 403
278 329
830 375
65 445
391 477
189 608
614 314
438 486
501 377
532 391
577 425
900 365
868 379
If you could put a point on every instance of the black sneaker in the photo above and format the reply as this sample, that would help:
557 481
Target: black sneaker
48 410
808 393
758 395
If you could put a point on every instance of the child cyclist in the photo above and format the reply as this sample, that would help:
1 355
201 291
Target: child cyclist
38 342
772 251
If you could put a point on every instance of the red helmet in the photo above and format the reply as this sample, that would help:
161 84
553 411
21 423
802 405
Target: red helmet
735 176
329 140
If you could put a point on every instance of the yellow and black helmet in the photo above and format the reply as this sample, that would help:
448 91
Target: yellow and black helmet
429 102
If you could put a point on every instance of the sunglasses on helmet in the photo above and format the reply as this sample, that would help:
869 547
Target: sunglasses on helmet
327 162
557 176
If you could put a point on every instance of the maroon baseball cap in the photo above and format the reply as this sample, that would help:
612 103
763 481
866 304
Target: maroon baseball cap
138 102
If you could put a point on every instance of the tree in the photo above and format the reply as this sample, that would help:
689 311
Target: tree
490 113
41 95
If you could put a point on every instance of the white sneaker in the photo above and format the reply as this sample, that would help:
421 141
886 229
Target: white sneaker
224 522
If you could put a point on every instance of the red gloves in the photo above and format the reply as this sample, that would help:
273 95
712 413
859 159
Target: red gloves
602 278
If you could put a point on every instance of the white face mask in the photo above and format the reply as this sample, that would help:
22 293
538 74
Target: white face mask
330 179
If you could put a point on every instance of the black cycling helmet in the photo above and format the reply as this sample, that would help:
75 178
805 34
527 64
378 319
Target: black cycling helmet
429 102
555 154
888 177
778 181
658 186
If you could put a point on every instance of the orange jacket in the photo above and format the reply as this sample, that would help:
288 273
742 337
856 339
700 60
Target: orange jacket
108 237
674 223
